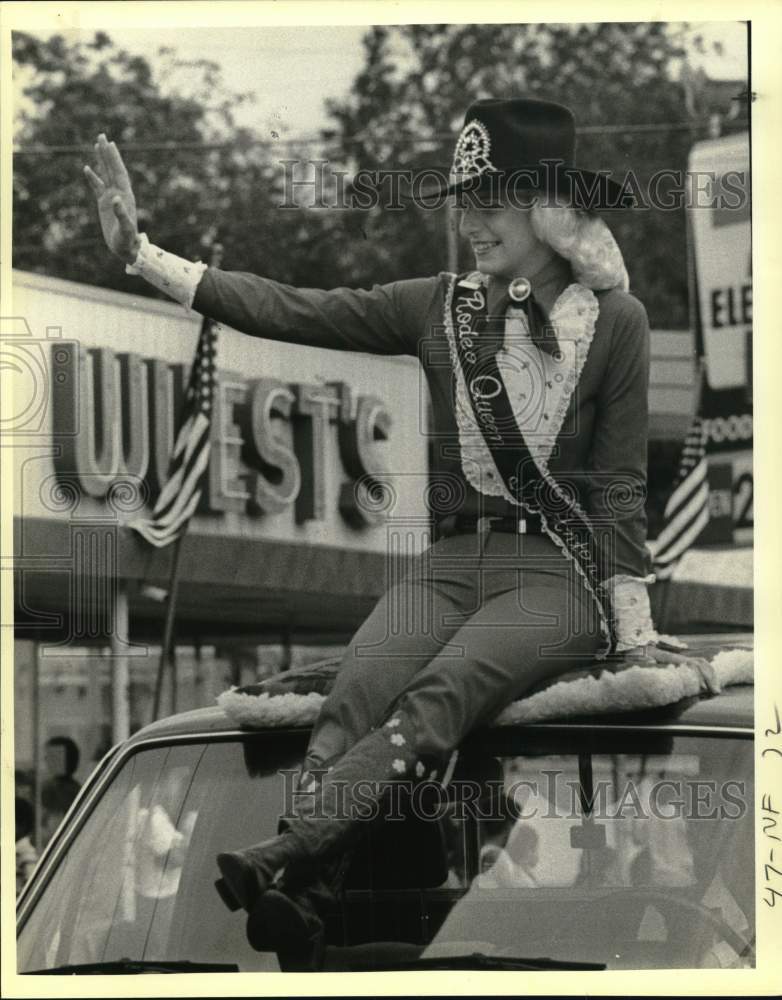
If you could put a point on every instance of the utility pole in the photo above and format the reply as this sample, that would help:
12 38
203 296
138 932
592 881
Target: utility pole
120 669
452 237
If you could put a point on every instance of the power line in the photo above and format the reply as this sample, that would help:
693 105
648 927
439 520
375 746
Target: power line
166 146
40 149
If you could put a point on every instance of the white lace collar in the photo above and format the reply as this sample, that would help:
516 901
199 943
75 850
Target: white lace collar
539 385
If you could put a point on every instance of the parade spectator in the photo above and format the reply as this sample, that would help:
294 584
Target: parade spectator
26 854
61 757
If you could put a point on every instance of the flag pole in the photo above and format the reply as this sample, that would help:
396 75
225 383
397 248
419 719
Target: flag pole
168 631
166 658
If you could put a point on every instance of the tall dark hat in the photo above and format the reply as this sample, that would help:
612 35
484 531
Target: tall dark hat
508 148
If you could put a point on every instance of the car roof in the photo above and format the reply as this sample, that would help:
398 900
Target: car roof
732 709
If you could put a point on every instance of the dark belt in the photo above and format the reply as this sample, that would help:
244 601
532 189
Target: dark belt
467 524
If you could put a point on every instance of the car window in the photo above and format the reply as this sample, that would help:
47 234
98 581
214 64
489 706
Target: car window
632 859
138 880
657 873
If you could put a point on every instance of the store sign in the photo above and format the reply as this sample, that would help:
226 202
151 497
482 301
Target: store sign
719 528
720 226
114 416
722 246
728 420
743 491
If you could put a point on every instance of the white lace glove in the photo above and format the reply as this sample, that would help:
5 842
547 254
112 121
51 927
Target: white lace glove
632 612
172 275
637 639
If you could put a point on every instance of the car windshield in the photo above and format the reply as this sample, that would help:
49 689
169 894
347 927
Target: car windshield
593 854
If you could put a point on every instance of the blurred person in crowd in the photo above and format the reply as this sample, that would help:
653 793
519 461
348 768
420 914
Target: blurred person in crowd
24 782
665 855
156 844
509 847
537 363
61 758
26 854
512 862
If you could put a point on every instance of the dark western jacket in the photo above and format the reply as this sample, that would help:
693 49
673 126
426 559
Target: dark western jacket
602 445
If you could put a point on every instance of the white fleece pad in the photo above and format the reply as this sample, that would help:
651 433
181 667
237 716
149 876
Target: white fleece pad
636 687
632 689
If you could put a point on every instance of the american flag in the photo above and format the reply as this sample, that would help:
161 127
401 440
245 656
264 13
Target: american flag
687 510
179 497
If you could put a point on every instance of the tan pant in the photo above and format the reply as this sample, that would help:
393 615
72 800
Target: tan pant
480 620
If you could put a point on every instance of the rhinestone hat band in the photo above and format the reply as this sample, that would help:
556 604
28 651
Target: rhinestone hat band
471 156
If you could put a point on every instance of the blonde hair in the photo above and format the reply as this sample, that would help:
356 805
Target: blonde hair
583 239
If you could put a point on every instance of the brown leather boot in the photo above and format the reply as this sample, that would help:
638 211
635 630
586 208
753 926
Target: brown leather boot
289 925
247 874
288 917
323 829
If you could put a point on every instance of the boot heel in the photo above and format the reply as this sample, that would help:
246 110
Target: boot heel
288 926
239 879
224 892
247 874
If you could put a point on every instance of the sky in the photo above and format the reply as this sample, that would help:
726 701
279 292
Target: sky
290 70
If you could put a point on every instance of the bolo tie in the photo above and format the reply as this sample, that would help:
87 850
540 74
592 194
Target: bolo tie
541 332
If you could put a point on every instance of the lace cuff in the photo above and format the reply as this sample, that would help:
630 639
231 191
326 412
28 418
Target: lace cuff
632 612
172 275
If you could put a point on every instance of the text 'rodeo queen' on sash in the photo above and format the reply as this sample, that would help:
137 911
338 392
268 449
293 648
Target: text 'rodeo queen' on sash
530 484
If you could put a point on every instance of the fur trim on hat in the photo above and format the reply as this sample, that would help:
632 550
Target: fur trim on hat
586 241
633 688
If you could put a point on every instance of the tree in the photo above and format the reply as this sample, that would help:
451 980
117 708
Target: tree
198 178
73 91
406 107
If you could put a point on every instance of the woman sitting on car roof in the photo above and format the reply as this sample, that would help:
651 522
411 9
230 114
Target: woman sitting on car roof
539 396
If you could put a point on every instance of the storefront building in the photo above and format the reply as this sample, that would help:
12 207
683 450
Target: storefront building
317 474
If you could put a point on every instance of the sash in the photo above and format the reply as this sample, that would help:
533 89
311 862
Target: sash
530 484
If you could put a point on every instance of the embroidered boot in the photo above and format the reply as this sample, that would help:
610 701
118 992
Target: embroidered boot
288 918
351 791
248 873
284 891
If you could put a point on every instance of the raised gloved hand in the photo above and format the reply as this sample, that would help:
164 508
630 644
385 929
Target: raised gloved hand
115 199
